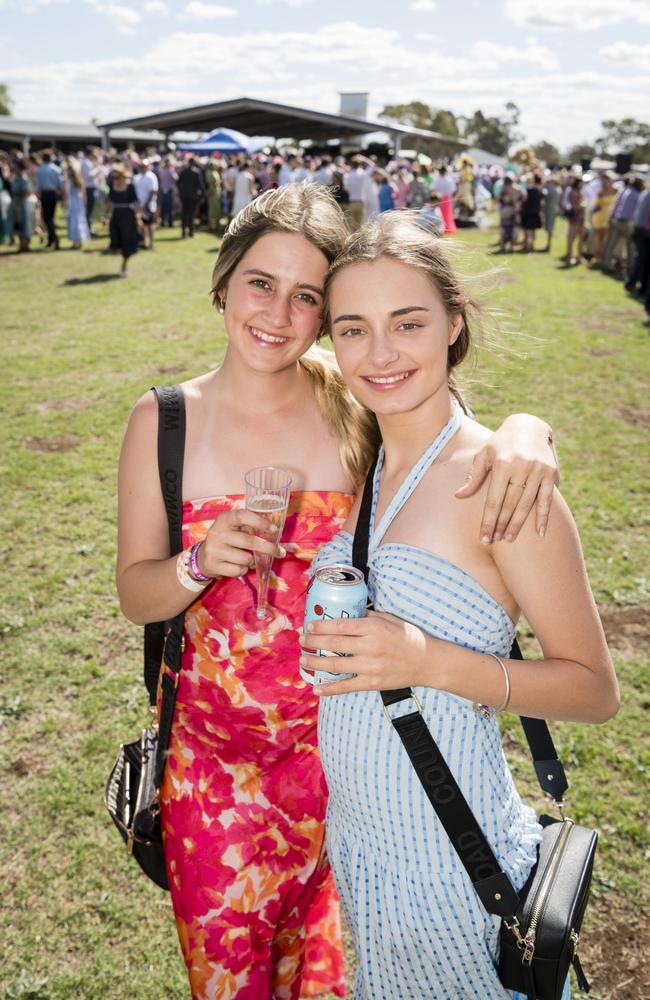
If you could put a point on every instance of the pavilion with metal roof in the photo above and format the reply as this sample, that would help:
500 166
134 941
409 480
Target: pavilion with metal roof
255 117
67 136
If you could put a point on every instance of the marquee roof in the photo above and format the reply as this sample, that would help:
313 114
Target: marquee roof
282 121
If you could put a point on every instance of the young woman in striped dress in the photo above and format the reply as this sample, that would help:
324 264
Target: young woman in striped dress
445 613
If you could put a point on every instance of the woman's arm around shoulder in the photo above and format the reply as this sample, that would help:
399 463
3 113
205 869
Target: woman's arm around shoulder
520 460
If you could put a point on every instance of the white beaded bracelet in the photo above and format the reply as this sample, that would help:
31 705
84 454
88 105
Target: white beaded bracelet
183 572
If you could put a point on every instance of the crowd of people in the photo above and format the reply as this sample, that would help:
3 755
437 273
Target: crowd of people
608 216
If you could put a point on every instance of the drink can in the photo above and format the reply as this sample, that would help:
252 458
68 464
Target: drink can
335 591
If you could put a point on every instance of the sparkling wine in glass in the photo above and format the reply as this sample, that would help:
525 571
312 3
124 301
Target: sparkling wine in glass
267 493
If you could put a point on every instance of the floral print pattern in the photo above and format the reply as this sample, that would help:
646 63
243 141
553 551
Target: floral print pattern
244 796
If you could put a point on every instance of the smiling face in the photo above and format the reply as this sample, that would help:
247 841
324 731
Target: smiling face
391 336
274 301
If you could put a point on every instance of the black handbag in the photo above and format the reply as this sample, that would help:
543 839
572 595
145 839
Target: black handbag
131 793
540 924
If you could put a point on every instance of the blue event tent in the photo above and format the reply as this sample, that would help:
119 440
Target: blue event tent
222 140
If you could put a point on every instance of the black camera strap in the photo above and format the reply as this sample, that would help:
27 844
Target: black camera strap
492 885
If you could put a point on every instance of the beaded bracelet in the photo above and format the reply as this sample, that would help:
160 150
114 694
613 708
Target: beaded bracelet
194 568
485 710
183 573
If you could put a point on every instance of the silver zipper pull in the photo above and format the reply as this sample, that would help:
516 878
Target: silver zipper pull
529 947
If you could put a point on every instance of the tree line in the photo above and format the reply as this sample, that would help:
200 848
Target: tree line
499 133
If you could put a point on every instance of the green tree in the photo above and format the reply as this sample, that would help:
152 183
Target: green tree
420 115
415 113
5 101
625 136
445 122
581 151
547 152
495 135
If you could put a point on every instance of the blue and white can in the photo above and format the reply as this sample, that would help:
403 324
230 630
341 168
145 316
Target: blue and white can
335 591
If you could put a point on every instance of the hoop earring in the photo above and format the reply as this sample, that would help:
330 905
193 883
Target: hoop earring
221 308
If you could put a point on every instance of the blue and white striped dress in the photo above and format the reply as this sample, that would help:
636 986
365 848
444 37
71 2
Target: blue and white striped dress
419 928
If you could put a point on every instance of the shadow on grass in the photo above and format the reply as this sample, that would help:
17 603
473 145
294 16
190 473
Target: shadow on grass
94 279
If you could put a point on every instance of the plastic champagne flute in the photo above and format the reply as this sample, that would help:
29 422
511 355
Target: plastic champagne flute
267 493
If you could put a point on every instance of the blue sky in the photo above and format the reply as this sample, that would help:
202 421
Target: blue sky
568 64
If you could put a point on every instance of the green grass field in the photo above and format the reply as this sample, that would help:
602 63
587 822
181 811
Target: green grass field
78 919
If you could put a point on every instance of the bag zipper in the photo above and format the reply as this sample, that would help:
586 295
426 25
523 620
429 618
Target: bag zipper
527 942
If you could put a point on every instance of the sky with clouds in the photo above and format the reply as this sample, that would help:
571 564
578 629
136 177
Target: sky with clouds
568 64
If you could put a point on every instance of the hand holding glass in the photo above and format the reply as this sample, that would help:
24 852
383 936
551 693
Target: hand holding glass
267 493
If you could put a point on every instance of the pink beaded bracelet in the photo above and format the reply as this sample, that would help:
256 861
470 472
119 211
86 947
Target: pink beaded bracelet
194 568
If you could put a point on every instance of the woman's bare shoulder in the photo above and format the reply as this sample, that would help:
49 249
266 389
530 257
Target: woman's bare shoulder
194 390
470 438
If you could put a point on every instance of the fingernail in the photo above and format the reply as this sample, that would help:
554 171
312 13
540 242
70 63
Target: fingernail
302 661
468 477
310 626
509 538
301 639
281 552
497 536
485 540
542 531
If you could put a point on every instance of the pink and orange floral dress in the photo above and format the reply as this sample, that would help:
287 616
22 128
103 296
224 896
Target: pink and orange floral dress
244 796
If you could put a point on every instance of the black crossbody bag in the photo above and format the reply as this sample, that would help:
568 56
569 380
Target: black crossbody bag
540 924
131 793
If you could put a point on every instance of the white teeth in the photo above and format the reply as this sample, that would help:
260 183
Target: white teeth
388 379
268 338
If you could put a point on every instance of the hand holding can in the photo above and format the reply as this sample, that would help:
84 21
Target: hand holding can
335 591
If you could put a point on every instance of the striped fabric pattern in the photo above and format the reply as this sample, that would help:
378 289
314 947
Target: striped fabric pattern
418 926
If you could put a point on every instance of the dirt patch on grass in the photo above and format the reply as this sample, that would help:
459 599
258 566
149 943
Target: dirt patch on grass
615 952
600 352
71 405
600 326
67 442
635 417
170 369
610 320
174 333
627 627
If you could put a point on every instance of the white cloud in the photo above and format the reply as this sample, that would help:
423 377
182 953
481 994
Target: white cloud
289 3
199 11
156 7
576 15
308 67
125 16
491 55
422 6
631 54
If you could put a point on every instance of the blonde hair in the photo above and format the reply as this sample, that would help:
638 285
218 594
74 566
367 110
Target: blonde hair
311 211
74 171
400 236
